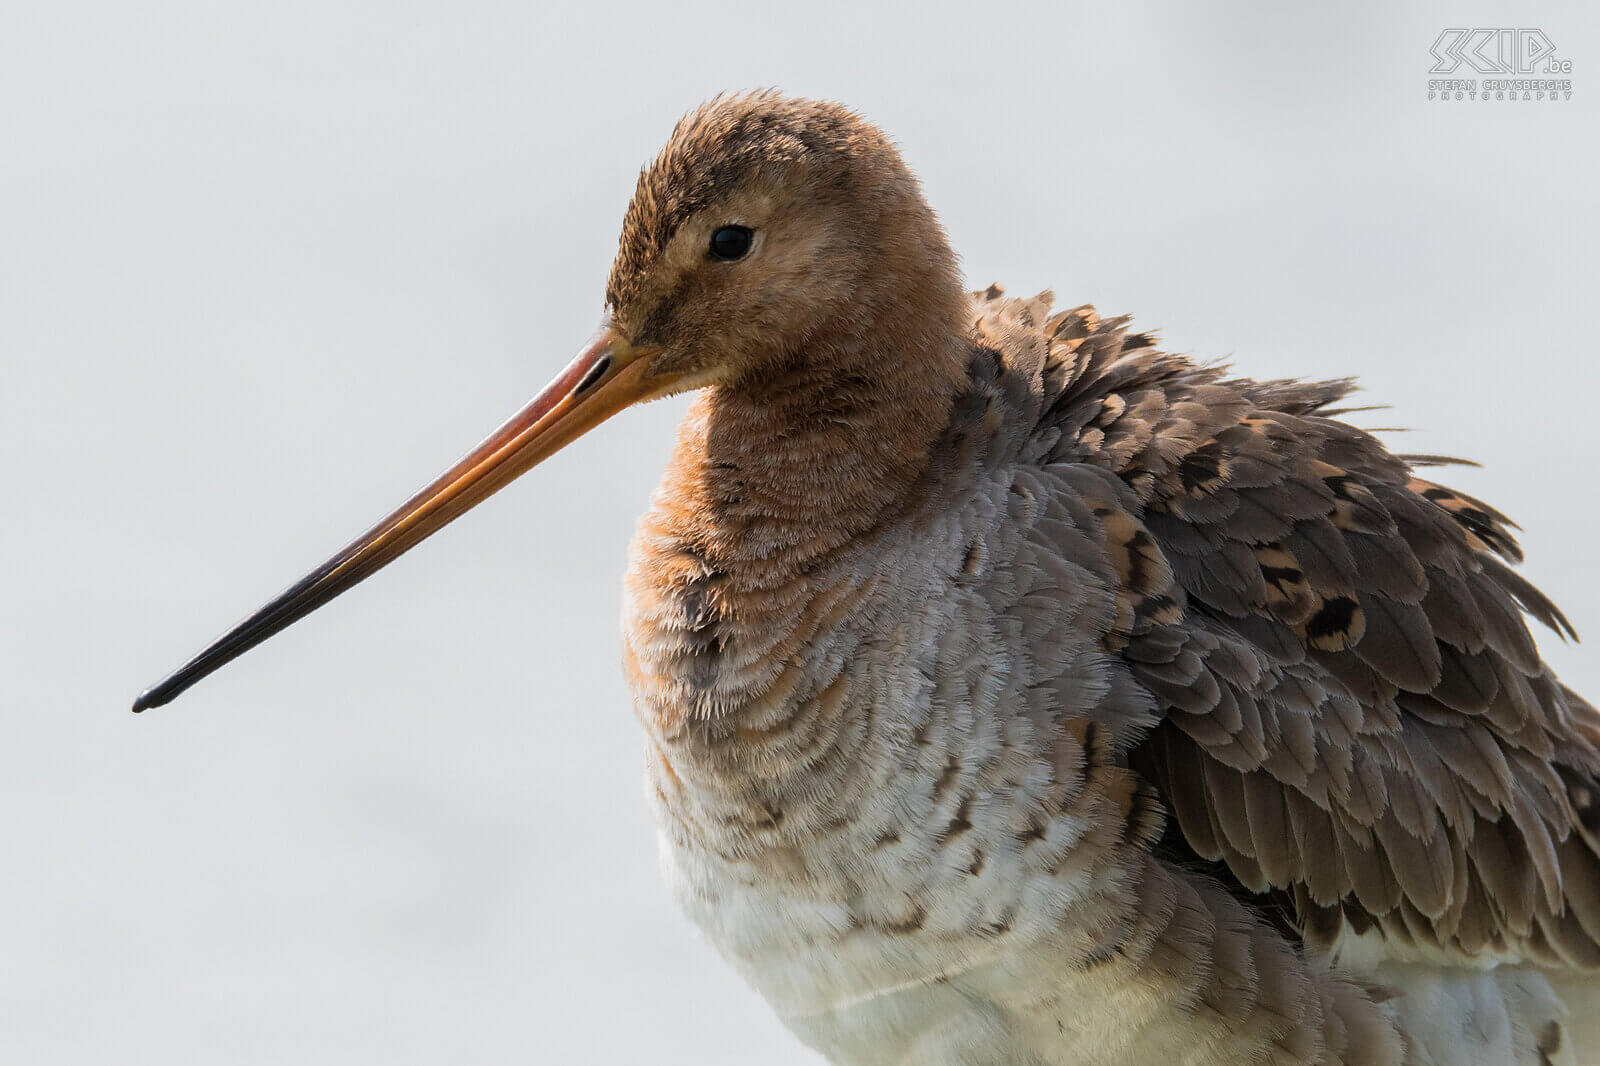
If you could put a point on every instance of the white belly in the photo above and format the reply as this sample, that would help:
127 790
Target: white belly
859 996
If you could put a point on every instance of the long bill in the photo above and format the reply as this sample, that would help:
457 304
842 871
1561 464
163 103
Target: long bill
607 376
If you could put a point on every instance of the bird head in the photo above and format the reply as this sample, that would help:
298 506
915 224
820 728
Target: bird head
764 224
768 229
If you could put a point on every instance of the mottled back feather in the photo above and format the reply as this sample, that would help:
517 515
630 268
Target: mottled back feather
1356 723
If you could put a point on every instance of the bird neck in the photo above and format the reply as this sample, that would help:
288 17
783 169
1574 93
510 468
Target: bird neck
741 570
772 490
796 466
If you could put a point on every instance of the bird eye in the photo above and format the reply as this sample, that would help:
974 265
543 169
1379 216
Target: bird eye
730 242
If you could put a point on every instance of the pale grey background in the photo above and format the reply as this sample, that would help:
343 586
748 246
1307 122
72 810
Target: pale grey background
264 268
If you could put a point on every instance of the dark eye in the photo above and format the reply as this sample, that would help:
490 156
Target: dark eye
730 242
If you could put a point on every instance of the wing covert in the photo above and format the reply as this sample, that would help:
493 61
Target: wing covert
1357 721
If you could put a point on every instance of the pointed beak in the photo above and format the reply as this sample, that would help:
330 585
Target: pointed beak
607 376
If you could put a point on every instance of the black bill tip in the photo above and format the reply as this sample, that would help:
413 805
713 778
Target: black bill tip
151 697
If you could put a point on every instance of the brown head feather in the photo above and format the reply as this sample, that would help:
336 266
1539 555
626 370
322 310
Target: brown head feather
847 252
724 144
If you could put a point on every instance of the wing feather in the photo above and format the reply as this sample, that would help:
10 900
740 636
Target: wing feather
1356 717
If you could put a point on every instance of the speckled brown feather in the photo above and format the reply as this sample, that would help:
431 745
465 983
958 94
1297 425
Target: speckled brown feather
1337 646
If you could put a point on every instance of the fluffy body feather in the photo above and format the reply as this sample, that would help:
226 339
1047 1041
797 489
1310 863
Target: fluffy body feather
1024 694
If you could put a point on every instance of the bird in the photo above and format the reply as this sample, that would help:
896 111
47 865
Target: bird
1018 692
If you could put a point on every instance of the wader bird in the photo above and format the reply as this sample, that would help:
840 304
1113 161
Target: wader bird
1019 693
